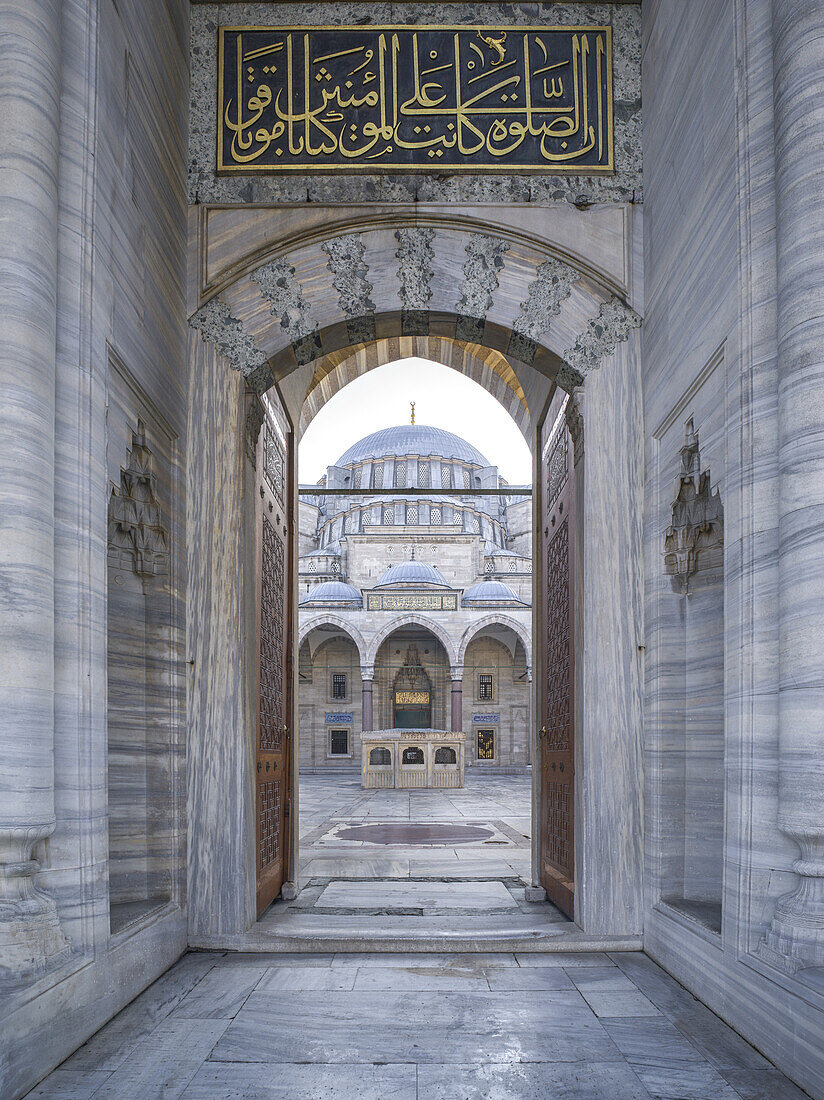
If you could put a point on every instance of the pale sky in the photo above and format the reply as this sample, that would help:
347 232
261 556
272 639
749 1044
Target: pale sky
443 398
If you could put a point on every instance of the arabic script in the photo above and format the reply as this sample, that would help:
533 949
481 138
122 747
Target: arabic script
451 98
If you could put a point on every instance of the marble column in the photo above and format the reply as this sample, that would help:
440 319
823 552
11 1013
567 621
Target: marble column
457 700
30 934
367 676
797 934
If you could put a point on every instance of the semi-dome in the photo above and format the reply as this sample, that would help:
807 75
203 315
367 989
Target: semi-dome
412 439
413 572
333 592
488 592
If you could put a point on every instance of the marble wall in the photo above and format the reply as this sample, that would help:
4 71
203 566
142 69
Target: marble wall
710 354
118 140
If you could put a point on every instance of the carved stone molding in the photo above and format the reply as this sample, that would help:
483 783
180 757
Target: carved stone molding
553 283
284 294
255 416
215 321
484 259
31 939
614 323
350 272
138 539
575 423
695 537
415 255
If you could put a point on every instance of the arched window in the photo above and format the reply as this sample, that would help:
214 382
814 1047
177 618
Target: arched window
377 475
445 756
380 756
412 513
423 475
388 516
467 478
412 756
400 475
446 477
435 516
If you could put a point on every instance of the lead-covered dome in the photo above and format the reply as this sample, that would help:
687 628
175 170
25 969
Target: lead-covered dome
333 592
412 439
413 572
488 593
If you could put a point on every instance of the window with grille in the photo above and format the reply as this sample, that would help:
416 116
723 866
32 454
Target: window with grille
485 687
339 742
446 477
339 685
474 524
336 567
313 566
423 475
490 567
467 478
377 475
380 756
485 745
435 516
366 518
512 565
412 513
356 478
400 475
389 516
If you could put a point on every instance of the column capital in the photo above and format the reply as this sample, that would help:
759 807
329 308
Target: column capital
457 672
367 672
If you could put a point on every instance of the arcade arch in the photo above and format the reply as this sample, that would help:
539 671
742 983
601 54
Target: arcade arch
554 319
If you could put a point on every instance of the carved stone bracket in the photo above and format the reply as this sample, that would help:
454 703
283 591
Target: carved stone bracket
575 423
255 416
138 540
614 323
695 537
31 939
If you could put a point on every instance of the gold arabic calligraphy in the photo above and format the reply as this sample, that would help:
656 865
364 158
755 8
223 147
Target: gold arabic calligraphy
415 97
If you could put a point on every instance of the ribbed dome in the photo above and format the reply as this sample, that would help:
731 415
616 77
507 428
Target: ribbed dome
488 591
333 592
412 572
412 439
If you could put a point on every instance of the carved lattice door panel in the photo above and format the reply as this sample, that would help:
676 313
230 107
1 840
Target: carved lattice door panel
557 741
273 487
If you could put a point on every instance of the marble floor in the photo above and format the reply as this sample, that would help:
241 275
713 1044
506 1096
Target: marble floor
578 1026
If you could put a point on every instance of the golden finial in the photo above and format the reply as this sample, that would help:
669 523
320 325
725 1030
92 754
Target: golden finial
412 403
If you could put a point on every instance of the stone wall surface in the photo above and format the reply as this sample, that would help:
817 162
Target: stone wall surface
710 356
119 279
625 185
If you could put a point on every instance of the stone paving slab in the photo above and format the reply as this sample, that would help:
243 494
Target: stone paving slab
476 896
440 1026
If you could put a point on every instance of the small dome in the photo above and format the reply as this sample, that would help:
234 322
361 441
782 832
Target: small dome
413 572
412 439
332 592
487 592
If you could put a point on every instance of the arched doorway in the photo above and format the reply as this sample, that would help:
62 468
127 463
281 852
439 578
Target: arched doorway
558 320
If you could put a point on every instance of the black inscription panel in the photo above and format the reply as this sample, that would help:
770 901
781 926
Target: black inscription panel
397 98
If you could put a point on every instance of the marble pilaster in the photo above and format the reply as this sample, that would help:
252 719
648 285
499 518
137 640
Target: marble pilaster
30 933
797 934
367 675
457 700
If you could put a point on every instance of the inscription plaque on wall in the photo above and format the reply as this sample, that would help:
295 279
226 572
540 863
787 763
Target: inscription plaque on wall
412 698
388 601
423 97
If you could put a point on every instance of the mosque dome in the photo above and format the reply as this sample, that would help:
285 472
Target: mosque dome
412 439
413 572
489 592
333 592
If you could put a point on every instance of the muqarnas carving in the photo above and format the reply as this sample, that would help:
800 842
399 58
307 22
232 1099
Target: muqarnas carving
694 539
138 539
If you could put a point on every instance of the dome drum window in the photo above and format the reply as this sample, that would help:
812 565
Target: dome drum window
435 515
423 475
377 475
412 514
388 516
400 475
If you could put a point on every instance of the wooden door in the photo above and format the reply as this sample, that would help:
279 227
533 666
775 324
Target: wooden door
273 499
557 734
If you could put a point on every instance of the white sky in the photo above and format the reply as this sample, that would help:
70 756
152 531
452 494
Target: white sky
443 398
